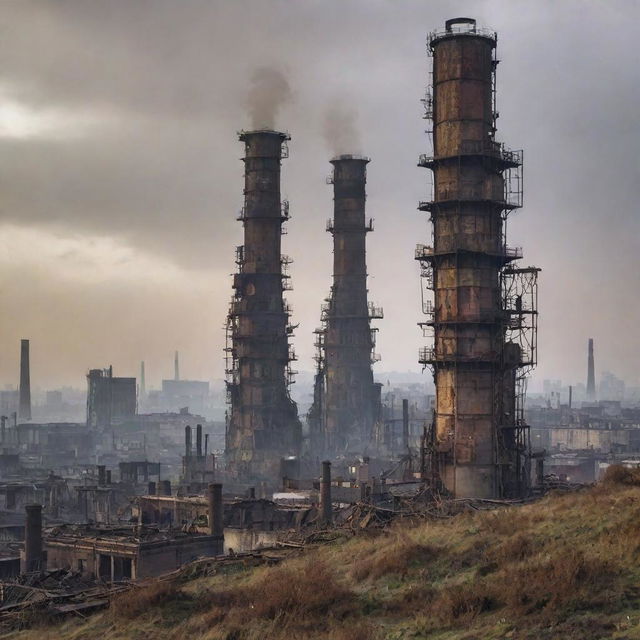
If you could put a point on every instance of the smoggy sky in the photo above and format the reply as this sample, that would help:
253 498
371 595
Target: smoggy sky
120 178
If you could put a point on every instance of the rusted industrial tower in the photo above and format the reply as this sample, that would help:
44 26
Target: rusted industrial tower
263 425
346 407
481 309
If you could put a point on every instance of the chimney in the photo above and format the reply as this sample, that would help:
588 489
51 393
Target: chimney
199 440
325 493
143 384
405 424
25 382
216 510
33 539
591 374
176 367
187 441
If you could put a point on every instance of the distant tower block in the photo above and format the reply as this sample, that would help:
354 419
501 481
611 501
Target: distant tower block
591 374
176 367
263 424
346 409
480 309
24 411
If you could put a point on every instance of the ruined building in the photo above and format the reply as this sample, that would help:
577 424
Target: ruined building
346 410
481 309
263 425
109 399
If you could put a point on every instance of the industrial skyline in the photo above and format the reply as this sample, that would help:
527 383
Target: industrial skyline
143 222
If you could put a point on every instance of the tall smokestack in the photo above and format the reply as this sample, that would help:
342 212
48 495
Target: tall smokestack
482 304
176 367
351 403
25 382
591 374
263 423
187 441
199 440
143 384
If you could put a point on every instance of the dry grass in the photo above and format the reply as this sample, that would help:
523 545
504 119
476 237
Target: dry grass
566 566
618 475
392 556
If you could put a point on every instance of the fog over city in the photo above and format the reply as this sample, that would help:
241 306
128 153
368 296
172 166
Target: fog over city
121 179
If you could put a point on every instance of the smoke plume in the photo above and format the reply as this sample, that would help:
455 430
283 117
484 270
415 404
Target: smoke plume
269 91
340 128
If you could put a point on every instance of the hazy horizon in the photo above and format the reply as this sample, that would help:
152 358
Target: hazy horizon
120 178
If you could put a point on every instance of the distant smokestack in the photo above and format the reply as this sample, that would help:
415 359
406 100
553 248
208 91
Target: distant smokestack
176 367
33 539
25 382
187 441
143 384
405 423
591 374
199 440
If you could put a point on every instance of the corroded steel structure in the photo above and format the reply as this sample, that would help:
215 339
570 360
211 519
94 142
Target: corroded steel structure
481 309
346 409
263 424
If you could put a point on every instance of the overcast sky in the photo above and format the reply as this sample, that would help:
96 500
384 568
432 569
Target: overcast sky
120 178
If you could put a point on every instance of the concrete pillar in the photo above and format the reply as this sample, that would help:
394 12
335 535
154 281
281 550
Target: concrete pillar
325 493
166 487
152 488
33 539
216 510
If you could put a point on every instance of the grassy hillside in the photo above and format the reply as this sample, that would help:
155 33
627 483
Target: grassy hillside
564 567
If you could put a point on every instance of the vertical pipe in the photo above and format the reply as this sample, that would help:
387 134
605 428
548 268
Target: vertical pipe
25 382
216 510
570 396
33 538
187 441
591 374
405 424
199 441
325 494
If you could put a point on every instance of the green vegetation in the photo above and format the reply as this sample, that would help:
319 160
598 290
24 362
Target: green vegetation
564 567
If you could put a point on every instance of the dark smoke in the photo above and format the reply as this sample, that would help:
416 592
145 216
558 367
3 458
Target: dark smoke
340 128
269 91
